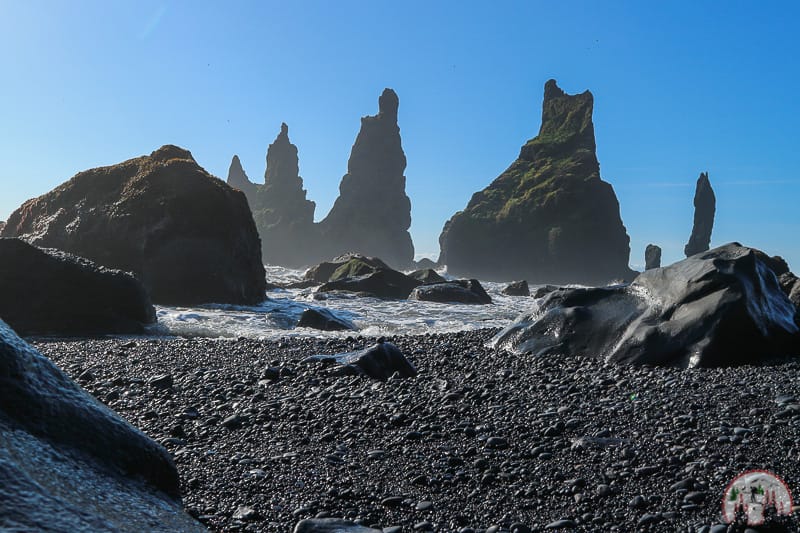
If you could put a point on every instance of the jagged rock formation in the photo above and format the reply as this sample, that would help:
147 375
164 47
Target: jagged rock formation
652 257
704 207
372 213
68 463
283 215
549 217
47 292
722 307
185 234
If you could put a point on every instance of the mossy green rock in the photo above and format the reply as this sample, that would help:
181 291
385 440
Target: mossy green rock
548 218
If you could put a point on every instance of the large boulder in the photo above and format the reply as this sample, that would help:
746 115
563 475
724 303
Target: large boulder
517 288
463 291
349 262
282 213
719 308
704 207
44 292
186 235
324 319
361 274
379 361
652 257
372 213
427 275
548 218
68 463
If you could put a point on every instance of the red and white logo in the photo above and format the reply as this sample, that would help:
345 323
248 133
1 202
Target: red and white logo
756 497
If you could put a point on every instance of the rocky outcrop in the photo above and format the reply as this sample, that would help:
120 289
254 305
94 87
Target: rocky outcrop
68 463
368 276
427 275
548 218
652 257
345 265
186 235
47 292
372 213
722 307
380 361
517 288
704 207
237 178
463 291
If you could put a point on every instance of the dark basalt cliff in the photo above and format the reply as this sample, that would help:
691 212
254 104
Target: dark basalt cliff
372 214
548 218
185 234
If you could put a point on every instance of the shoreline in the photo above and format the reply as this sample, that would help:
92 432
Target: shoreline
478 439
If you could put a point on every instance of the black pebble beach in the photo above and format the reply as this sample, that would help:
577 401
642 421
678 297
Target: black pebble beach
479 440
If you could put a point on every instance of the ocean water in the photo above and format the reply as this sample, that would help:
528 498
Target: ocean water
276 317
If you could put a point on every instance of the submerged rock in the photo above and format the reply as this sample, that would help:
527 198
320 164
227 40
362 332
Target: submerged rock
68 463
48 292
186 235
548 218
380 361
652 257
465 291
372 213
325 320
719 308
704 207
517 288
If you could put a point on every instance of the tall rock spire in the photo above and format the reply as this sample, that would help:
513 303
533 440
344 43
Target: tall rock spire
239 180
705 204
372 213
549 217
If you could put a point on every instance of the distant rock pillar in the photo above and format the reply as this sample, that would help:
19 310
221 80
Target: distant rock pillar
652 257
704 208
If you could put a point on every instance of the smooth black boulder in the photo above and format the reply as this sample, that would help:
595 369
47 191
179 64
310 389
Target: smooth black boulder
427 275
331 525
48 292
465 291
517 288
723 307
323 319
68 463
384 283
188 236
380 361
704 207
652 257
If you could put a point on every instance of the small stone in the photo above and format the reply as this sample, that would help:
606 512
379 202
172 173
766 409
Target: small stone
245 513
561 524
392 501
162 382
424 505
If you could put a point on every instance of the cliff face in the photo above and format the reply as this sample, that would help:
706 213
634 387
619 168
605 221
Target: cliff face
283 215
372 214
548 218
705 205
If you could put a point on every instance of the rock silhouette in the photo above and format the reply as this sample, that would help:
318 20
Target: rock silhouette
185 234
48 292
722 307
704 207
548 218
652 257
282 214
68 463
372 214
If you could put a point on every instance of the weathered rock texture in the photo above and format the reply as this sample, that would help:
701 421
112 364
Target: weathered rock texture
704 207
652 257
722 307
283 215
188 236
372 213
68 463
48 292
549 217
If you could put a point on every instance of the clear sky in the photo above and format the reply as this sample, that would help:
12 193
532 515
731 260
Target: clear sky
680 88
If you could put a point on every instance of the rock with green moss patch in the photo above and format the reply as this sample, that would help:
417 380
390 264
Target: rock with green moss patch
548 218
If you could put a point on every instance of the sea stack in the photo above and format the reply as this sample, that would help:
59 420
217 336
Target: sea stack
239 180
548 218
186 235
705 204
652 257
372 214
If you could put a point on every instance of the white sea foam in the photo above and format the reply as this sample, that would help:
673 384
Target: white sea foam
276 316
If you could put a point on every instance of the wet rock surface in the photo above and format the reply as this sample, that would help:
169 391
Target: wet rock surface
479 440
465 291
123 216
517 288
48 292
68 463
322 319
718 308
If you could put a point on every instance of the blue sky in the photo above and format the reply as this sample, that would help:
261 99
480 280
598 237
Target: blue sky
680 88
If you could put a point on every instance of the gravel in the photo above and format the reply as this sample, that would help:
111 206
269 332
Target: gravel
479 440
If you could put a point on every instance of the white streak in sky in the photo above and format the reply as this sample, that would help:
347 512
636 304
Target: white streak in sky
152 23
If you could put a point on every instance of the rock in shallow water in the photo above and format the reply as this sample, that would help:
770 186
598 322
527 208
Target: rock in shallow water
720 308
325 320
67 463
465 291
